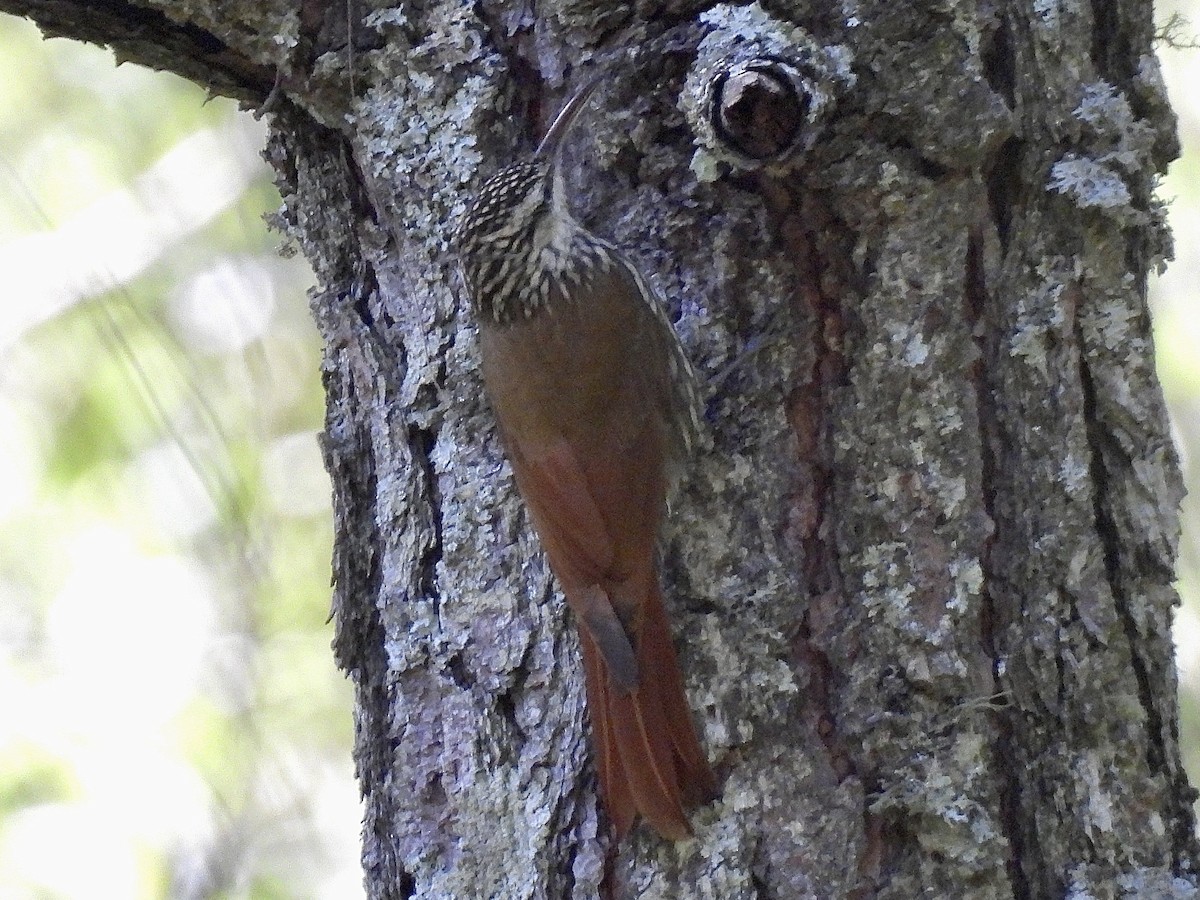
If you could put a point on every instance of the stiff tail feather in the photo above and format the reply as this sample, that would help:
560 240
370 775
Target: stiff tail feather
647 755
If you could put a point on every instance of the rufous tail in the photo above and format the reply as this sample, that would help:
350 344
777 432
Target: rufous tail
647 754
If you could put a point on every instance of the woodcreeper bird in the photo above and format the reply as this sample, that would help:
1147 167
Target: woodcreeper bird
597 408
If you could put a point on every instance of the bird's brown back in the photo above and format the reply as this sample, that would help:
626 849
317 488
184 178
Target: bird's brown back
582 394
590 370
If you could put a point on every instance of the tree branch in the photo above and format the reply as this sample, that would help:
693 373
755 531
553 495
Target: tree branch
150 38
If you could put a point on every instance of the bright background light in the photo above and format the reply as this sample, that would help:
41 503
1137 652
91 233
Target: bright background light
171 721
1175 303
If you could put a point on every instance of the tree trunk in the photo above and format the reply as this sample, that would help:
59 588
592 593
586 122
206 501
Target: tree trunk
920 573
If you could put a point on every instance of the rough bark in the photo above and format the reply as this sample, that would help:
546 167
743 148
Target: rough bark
921 572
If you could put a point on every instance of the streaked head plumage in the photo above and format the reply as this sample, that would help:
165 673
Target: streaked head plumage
500 238
495 235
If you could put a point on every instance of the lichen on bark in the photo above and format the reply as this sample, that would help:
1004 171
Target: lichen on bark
920 572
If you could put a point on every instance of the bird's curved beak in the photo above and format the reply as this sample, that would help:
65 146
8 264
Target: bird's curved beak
566 117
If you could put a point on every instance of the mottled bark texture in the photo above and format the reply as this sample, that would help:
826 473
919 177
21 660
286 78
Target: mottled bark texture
921 571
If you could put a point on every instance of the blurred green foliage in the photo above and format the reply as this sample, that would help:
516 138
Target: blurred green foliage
169 708
1176 308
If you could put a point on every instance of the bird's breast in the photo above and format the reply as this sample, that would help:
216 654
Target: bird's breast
572 371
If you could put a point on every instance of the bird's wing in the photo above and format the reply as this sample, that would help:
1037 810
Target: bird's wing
582 552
